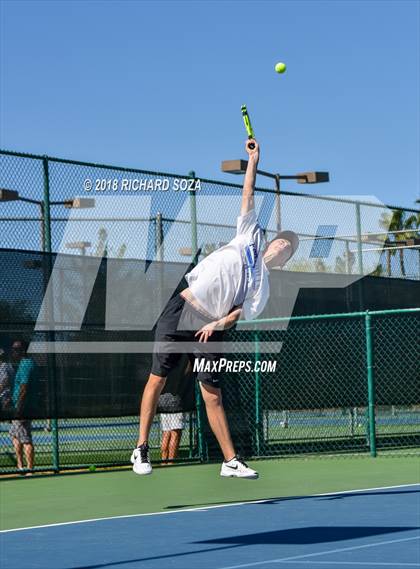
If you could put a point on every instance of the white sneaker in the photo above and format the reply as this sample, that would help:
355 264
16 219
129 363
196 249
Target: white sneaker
237 468
141 461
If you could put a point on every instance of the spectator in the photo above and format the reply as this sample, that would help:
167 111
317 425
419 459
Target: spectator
22 397
171 425
6 381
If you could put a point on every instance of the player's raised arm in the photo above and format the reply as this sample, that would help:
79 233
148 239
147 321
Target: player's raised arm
250 176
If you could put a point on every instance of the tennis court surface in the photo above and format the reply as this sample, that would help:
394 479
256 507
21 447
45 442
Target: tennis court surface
359 527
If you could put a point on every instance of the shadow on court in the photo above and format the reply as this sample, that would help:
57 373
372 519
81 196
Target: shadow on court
285 498
298 536
308 535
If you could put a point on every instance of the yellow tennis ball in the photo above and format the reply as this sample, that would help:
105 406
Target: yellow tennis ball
280 67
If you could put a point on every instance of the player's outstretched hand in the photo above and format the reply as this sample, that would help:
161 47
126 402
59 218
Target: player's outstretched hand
206 331
252 152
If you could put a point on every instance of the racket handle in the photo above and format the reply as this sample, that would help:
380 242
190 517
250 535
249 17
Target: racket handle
247 122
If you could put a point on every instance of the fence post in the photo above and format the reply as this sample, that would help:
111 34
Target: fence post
257 375
359 256
191 435
278 202
159 251
371 384
194 249
159 237
193 210
348 262
51 363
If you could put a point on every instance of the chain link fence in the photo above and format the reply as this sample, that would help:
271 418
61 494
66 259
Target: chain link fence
330 391
90 209
346 383
72 444
341 383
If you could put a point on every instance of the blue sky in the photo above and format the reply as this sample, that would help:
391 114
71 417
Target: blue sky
159 86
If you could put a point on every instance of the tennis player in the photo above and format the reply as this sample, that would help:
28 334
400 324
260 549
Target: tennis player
229 284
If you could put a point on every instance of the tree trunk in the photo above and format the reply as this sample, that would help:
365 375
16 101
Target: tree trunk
388 263
402 265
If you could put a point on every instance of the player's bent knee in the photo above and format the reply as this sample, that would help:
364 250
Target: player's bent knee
211 395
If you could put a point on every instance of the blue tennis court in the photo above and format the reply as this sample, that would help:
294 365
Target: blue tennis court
362 528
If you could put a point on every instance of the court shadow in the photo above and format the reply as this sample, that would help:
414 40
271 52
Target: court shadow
298 536
270 501
361 494
308 535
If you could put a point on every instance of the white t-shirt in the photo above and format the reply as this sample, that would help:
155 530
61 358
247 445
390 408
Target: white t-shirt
235 274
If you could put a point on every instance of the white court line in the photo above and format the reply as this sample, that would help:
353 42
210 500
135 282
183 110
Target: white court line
283 559
204 508
397 564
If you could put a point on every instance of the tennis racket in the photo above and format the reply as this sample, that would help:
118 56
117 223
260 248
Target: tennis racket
248 126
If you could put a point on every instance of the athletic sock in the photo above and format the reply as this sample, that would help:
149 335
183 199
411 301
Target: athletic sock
230 460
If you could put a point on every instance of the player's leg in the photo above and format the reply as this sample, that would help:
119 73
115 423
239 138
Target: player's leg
148 405
212 397
232 466
174 326
165 357
140 458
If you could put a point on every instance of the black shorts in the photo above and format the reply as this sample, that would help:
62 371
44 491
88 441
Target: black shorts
179 322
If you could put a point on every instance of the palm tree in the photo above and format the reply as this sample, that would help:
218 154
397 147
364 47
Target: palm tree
378 272
413 223
396 224
320 266
104 250
345 263
340 265
101 246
